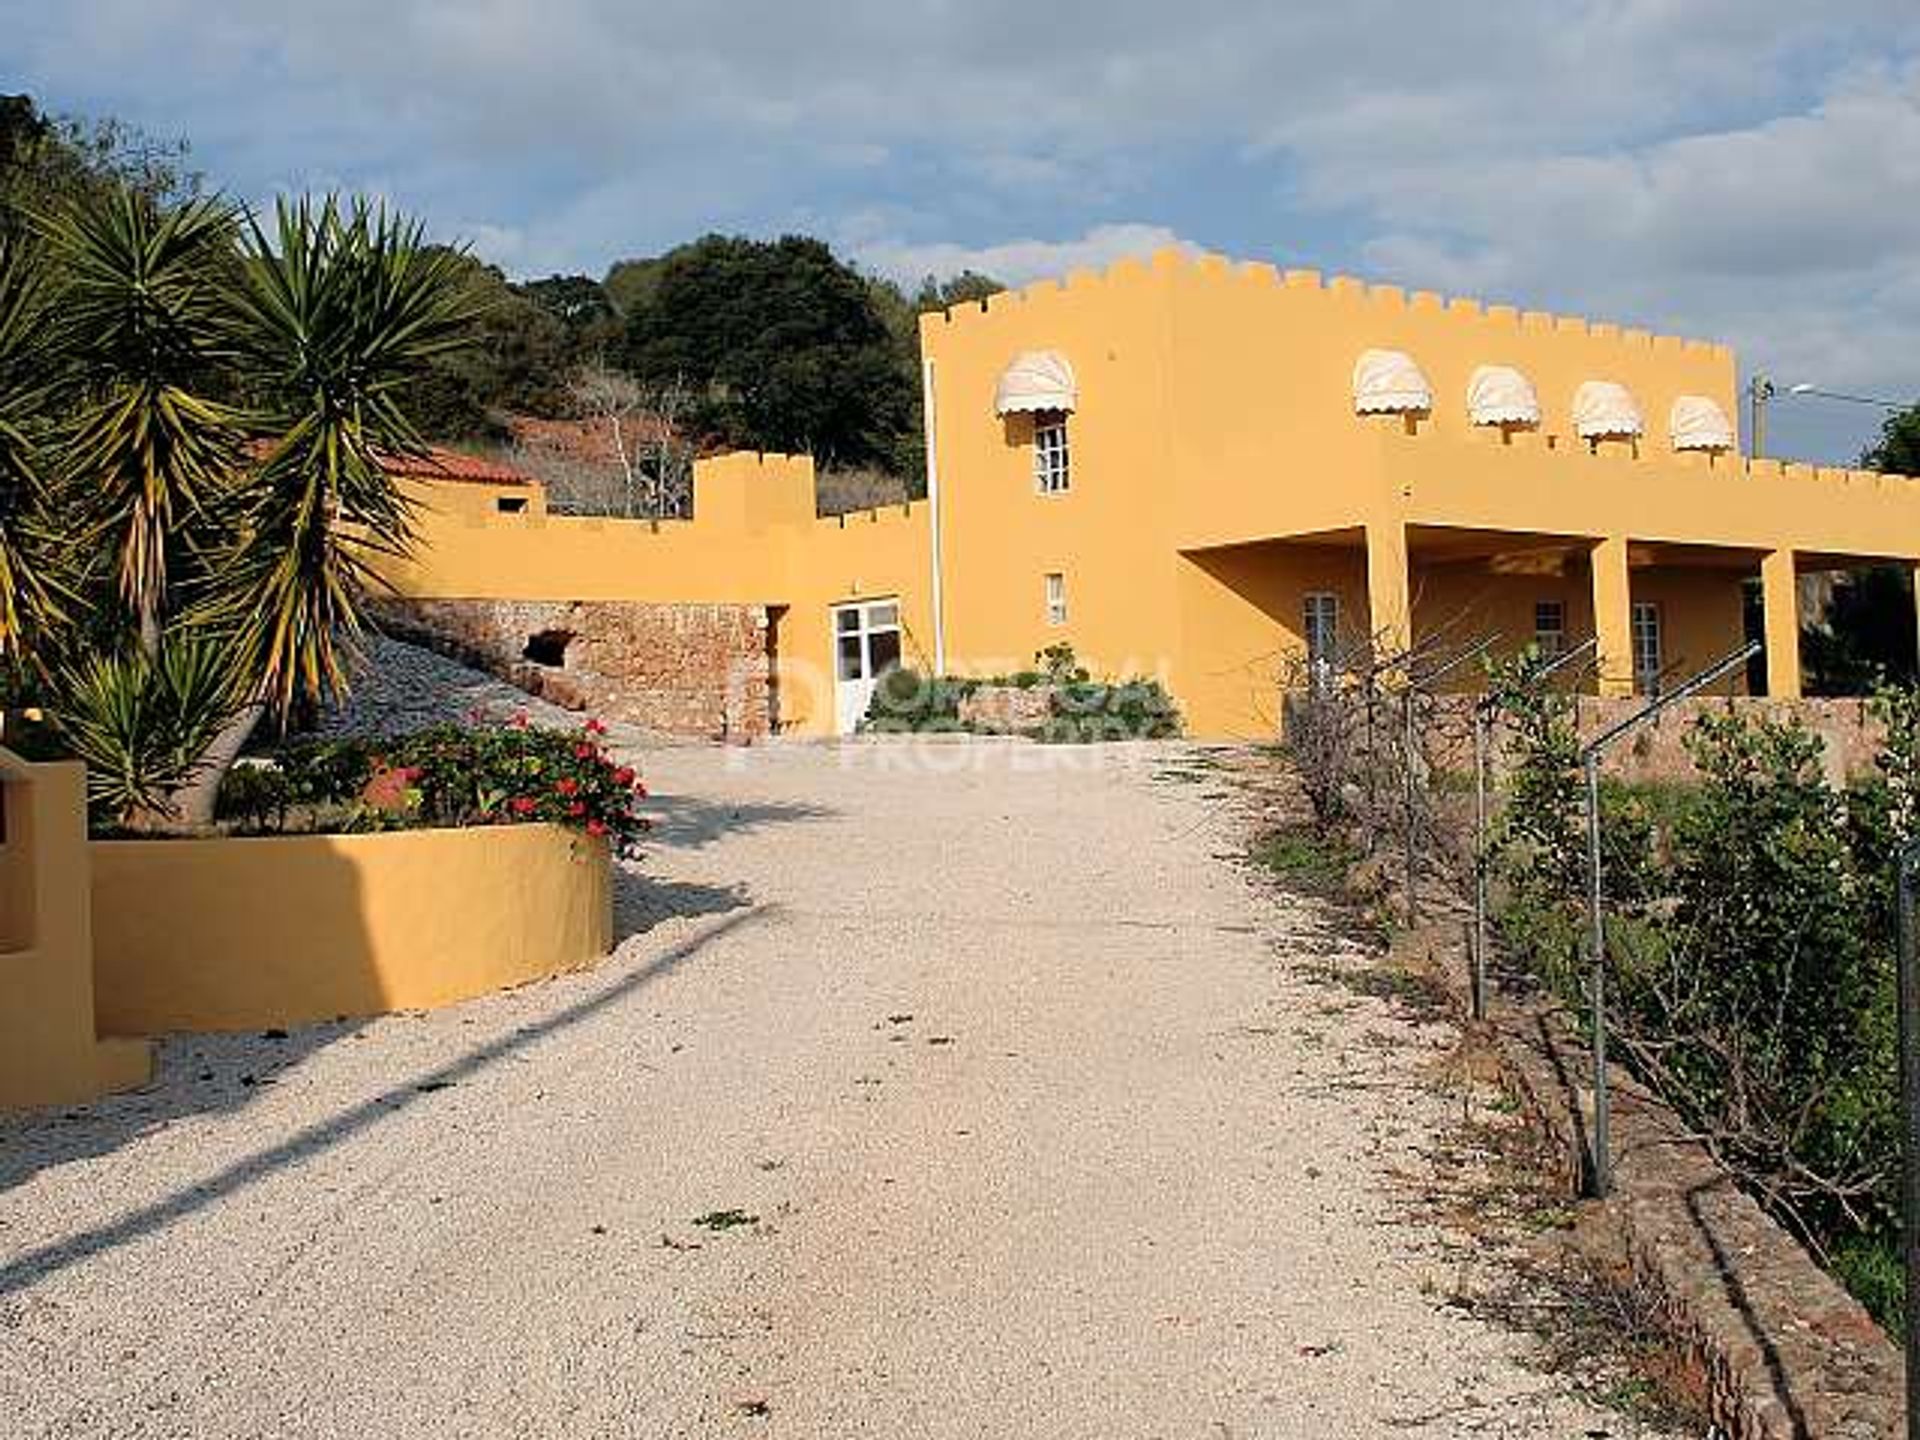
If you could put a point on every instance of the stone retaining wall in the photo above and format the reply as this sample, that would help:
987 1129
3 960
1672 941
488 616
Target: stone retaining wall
1783 1351
698 671
1006 709
1657 751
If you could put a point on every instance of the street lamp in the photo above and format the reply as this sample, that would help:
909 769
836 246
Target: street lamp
1805 389
1761 390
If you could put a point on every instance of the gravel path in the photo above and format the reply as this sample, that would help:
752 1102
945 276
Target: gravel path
1026 1128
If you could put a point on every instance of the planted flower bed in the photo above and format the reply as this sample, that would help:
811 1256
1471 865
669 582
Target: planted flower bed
354 877
442 776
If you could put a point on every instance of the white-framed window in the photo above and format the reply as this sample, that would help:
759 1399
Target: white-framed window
1320 625
1549 628
1647 663
1056 598
1052 468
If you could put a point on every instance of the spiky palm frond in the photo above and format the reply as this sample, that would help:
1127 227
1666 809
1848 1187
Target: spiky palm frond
30 592
144 723
341 309
144 302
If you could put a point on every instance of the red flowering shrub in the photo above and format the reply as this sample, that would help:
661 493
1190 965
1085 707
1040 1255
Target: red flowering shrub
390 789
449 775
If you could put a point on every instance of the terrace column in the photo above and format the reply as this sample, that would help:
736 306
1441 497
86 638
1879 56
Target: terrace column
1613 616
1780 606
1389 597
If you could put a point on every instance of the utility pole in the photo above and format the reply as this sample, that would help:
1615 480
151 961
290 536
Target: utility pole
1759 391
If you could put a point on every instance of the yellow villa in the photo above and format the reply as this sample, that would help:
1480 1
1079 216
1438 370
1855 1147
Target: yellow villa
1202 471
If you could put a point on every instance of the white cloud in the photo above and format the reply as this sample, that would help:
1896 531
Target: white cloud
1740 168
1015 262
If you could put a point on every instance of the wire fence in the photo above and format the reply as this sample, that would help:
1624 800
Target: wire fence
1372 734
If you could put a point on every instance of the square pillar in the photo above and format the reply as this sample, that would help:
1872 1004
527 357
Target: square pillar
1389 596
1612 616
1780 608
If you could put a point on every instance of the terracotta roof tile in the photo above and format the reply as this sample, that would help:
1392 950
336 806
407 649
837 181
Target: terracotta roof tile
443 464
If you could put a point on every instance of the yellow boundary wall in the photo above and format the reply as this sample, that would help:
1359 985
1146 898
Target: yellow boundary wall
49 1050
754 540
232 934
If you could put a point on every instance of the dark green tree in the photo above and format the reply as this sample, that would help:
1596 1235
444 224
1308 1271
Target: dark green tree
49 161
1867 634
1897 451
968 287
577 301
783 344
519 360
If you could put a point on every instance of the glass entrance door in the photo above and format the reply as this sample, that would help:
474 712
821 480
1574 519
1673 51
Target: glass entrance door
866 644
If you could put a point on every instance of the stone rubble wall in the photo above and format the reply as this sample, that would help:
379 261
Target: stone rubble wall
694 671
1006 709
1780 1349
1657 751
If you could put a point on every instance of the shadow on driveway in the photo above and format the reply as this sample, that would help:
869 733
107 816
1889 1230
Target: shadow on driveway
25 1269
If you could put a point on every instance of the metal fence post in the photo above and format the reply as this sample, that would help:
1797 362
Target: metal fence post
1909 1002
1600 1165
1411 838
1477 936
1600 1171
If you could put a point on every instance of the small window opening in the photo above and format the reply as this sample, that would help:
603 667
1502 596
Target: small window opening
1052 468
548 647
1056 598
1320 617
510 504
1648 666
1549 628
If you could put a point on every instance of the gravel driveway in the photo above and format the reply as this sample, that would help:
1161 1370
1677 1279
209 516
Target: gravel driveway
1002 1114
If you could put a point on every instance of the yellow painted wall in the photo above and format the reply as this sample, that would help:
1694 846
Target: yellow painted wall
1215 413
232 934
1214 417
49 1053
754 540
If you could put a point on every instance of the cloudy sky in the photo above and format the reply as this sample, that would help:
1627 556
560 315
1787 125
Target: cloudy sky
1747 170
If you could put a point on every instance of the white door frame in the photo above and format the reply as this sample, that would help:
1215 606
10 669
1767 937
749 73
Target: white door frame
859 621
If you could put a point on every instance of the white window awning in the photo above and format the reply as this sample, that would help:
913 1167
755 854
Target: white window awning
1698 423
1605 410
1036 380
1501 395
1387 382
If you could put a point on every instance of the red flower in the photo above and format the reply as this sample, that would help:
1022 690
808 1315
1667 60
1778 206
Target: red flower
522 805
595 827
518 720
595 727
640 789
567 785
390 789
623 776
584 751
577 809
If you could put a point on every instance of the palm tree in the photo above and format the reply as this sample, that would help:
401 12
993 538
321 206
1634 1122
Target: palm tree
142 308
236 397
29 592
340 310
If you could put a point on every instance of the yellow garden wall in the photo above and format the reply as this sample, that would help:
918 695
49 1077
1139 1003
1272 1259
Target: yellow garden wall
234 934
49 1053
754 540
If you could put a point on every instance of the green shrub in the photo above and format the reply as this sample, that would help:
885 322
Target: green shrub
1092 711
1749 948
906 702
